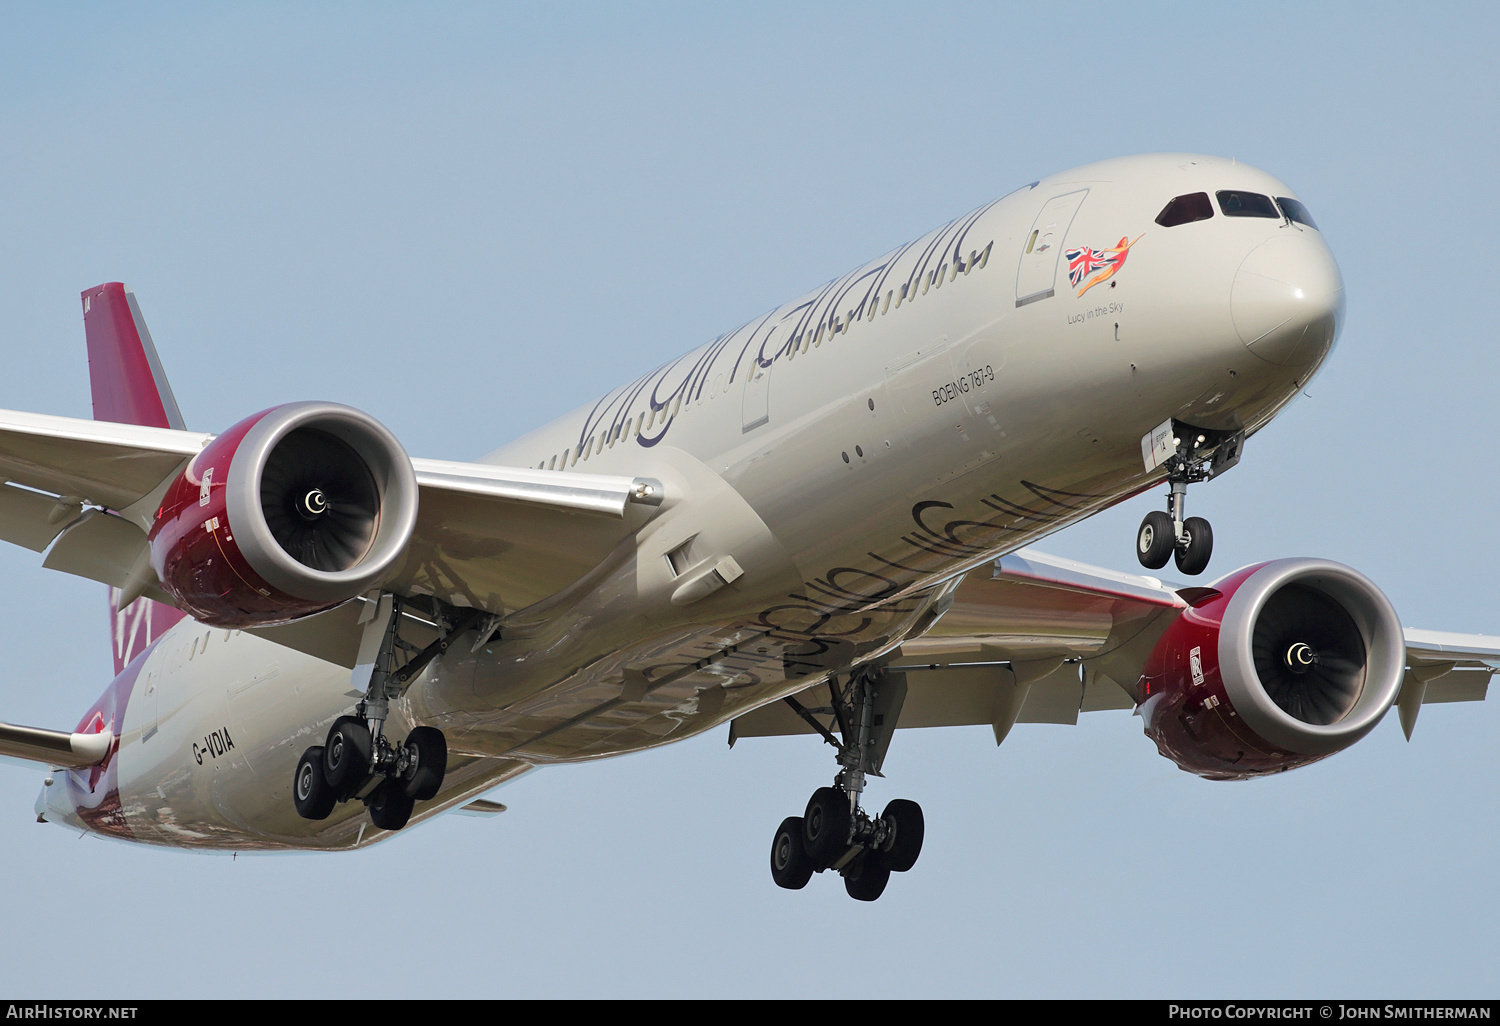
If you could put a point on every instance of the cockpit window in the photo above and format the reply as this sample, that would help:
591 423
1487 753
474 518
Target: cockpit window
1295 211
1185 209
1246 204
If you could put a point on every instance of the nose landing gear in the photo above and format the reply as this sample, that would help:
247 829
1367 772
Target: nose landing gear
1190 455
358 761
835 832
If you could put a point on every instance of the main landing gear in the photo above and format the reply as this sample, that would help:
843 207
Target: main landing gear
358 761
1196 454
835 832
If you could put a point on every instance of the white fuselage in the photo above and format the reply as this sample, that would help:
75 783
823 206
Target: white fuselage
838 462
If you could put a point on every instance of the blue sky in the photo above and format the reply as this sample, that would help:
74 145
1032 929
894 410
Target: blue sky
469 219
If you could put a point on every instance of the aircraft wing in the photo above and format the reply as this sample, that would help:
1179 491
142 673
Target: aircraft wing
490 537
1038 639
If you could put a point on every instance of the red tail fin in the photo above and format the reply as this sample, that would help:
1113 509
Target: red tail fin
124 371
129 387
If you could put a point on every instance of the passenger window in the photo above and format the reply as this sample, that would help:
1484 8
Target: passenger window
1295 211
1246 204
1185 210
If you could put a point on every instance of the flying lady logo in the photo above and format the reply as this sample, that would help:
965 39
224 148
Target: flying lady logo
1096 265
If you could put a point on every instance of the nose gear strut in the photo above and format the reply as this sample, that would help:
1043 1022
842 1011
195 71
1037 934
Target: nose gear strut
835 832
358 760
1189 455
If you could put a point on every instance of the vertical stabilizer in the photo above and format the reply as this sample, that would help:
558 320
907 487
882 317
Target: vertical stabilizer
128 384
129 387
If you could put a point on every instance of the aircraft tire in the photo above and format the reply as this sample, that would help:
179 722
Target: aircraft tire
906 817
346 755
1156 540
790 866
311 794
390 806
1192 559
825 826
432 762
866 877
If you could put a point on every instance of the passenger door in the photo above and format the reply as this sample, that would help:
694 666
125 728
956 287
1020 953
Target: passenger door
1037 275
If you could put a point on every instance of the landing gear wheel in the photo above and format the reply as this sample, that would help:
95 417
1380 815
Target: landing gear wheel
390 806
346 755
905 819
1197 546
790 866
866 877
1156 540
310 791
825 826
428 752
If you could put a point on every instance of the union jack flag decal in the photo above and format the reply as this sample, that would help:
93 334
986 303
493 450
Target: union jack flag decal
1088 267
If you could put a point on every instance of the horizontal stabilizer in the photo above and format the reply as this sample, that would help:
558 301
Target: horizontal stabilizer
54 747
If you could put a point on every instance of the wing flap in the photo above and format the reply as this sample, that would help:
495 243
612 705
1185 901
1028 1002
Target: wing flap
101 547
31 519
1465 684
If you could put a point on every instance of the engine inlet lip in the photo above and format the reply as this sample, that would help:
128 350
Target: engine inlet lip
1378 625
387 462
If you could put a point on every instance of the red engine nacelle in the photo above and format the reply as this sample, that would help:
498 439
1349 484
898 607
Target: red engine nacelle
291 511
1275 666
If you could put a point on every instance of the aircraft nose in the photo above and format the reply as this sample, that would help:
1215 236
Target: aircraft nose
1288 300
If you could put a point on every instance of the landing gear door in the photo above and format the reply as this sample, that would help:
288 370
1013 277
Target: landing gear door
1037 275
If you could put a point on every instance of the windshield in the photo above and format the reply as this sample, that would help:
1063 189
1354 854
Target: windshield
1186 209
1295 211
1246 204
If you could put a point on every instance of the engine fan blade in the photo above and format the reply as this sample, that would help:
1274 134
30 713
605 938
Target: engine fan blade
319 500
1309 655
